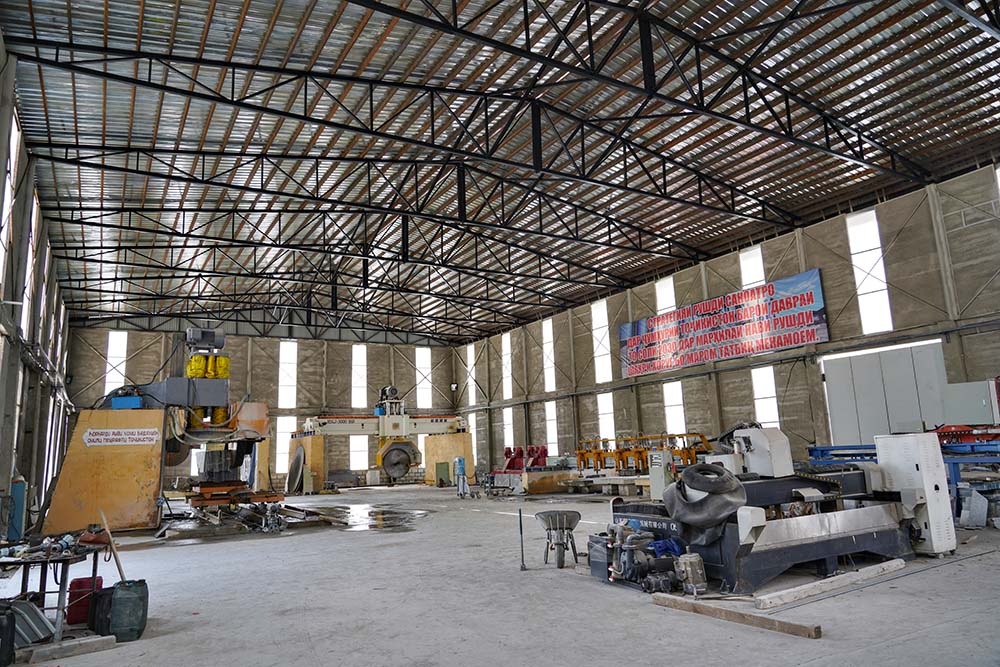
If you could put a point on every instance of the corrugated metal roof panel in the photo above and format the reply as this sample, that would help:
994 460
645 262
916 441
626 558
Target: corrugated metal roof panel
914 77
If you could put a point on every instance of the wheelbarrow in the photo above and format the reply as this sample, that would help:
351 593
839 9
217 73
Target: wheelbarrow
559 525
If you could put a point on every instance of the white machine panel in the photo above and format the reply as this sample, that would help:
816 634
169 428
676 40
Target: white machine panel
869 389
901 398
730 462
841 403
394 425
914 461
660 472
894 391
768 453
972 403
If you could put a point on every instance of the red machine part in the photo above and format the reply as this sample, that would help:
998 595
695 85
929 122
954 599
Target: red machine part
515 459
953 434
538 456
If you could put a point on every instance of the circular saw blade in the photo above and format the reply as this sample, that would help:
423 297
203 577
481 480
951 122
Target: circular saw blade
396 462
293 483
176 452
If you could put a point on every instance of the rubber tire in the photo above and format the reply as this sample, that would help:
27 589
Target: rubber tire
560 556
709 478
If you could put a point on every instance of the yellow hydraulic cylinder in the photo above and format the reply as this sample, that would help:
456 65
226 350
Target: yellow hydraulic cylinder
197 366
196 418
220 416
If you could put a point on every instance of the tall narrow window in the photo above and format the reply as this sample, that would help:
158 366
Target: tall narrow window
57 354
765 396
56 300
114 370
45 317
288 369
606 417
470 369
29 270
548 355
752 267
51 444
602 341
673 407
472 432
359 452
282 443
665 298
9 183
508 427
425 390
551 428
869 272
359 376
506 367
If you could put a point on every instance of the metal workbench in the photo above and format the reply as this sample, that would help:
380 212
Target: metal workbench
62 562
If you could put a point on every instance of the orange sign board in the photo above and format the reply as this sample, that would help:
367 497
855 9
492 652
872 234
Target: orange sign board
112 464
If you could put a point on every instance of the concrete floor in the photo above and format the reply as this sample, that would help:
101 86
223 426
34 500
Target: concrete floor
449 592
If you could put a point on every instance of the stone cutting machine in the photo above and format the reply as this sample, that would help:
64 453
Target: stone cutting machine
118 454
396 431
751 516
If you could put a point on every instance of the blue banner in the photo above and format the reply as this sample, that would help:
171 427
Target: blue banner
774 316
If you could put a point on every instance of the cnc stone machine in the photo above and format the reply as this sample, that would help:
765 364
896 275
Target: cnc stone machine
750 516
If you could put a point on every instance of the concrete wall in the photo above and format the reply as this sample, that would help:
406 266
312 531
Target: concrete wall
941 252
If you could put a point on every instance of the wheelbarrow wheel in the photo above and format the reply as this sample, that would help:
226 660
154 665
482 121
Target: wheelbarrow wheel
560 555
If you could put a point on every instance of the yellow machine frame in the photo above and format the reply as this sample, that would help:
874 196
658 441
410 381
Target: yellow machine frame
384 443
634 454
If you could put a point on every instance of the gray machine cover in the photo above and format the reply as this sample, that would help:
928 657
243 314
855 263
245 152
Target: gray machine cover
702 520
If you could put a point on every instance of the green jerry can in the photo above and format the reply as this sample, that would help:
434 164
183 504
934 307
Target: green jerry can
121 610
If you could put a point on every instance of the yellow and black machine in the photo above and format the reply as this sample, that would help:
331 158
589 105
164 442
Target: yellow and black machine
210 365
119 452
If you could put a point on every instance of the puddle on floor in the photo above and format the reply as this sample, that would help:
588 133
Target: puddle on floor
367 517
353 518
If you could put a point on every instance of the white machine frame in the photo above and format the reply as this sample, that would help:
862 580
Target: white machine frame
912 464
909 464
394 428
764 451
394 425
